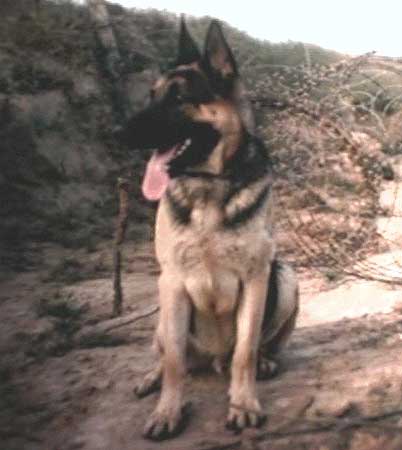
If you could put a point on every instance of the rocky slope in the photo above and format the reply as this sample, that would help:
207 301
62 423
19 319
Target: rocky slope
59 106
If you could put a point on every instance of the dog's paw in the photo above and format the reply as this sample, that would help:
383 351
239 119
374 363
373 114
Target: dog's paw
266 368
241 417
166 423
150 383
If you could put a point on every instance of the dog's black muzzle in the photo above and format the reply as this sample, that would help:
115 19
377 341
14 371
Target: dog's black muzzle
154 127
161 128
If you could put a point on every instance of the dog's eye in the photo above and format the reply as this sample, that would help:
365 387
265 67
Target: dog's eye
175 95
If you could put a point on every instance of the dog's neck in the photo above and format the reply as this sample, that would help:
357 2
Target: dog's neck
249 161
246 176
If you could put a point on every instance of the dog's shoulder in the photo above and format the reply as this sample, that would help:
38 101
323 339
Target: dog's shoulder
250 190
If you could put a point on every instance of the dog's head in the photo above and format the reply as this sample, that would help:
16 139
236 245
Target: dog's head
193 118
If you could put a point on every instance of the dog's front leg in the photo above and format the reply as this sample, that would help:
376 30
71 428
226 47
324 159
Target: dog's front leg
245 409
172 335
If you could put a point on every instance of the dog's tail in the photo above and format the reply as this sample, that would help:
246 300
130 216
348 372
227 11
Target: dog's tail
281 308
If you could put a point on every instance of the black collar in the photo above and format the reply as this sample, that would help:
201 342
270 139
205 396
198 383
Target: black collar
250 162
206 175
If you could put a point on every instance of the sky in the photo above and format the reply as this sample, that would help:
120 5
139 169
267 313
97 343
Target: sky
348 26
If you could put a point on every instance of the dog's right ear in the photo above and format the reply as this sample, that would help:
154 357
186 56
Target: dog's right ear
188 50
218 60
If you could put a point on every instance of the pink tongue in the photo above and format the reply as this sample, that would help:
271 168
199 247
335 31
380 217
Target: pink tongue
156 178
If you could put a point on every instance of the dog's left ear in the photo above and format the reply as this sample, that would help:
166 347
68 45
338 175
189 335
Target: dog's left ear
188 50
218 60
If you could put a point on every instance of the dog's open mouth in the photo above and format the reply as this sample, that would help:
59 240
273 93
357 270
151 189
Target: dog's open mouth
157 177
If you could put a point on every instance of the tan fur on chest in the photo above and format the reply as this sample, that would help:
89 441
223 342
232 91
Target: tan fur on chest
212 263
205 246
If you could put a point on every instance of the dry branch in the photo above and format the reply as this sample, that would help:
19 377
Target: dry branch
317 113
117 322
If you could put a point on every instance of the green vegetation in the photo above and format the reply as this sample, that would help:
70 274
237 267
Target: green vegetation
61 317
60 307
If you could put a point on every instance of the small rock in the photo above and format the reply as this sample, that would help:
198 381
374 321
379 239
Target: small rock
332 406
362 440
77 444
42 328
102 385
297 405
391 198
66 397
285 411
387 171
398 308
390 228
85 357
396 164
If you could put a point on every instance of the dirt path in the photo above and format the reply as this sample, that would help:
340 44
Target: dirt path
339 378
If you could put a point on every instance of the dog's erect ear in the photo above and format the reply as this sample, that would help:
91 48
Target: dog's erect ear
218 61
188 50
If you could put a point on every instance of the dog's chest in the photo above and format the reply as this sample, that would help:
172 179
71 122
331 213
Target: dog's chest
214 252
213 264
211 261
205 218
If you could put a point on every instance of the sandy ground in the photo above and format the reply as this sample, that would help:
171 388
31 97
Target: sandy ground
340 386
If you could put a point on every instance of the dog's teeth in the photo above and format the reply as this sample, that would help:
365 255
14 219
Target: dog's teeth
184 146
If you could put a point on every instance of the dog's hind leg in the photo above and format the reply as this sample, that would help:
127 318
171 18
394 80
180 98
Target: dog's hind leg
280 315
150 383
174 320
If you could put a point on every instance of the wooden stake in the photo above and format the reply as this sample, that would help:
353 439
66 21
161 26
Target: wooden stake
124 187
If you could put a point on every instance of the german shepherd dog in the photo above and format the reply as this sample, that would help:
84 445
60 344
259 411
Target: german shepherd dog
224 297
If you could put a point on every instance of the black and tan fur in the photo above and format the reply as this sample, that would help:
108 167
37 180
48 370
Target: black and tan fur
224 297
